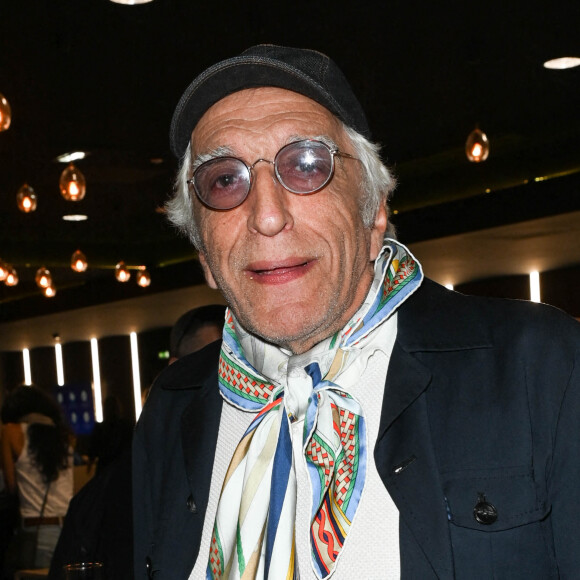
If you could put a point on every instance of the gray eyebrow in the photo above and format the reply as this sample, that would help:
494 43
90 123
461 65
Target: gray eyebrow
322 138
222 151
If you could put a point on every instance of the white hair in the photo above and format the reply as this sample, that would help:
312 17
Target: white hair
377 185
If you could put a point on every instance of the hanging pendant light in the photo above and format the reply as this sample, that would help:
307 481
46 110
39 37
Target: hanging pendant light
11 277
143 277
49 291
78 261
5 113
3 270
122 272
73 185
26 199
43 277
477 146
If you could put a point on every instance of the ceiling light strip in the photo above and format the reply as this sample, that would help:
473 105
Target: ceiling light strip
136 374
59 365
535 286
26 362
97 381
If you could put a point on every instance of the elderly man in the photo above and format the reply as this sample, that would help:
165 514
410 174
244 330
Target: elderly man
356 420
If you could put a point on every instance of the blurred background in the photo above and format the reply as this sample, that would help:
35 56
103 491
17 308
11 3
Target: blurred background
102 78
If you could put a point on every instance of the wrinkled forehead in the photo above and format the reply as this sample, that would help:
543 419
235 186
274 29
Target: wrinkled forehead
263 113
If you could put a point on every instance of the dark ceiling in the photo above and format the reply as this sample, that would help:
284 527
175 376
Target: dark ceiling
101 77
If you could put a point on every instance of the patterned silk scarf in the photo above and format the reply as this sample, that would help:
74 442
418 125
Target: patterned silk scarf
253 535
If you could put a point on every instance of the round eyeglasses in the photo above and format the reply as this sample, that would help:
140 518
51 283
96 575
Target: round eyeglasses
302 167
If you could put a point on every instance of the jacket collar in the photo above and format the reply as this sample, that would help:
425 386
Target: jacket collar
437 319
406 461
433 320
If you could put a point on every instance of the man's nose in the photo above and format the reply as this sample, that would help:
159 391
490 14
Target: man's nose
269 213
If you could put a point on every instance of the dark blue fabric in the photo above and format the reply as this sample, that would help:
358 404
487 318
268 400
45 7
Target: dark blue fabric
482 397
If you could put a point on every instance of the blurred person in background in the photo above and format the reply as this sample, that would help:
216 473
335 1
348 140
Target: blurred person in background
98 525
110 437
37 464
8 519
195 329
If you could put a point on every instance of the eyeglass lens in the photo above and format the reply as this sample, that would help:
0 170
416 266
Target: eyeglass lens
302 167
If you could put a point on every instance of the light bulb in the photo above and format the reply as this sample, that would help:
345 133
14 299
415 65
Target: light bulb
5 113
43 278
562 63
477 146
73 185
4 269
122 272
49 291
78 261
143 277
131 2
11 277
26 199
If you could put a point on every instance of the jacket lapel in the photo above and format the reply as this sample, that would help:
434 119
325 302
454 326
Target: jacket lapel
406 462
199 431
199 427
404 452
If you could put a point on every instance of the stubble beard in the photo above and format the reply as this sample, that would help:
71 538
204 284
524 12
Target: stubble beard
313 328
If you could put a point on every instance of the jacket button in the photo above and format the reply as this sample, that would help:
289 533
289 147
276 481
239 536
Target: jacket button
484 512
191 505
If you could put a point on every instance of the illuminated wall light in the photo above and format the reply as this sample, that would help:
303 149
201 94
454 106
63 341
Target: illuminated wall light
477 146
26 362
136 374
73 185
97 381
122 272
26 199
78 261
535 286
59 365
3 270
449 286
5 113
43 277
12 277
143 277
49 291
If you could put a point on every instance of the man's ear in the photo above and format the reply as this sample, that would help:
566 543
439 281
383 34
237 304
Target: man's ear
207 272
378 232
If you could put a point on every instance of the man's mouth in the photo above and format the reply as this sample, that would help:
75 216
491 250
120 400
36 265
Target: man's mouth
279 273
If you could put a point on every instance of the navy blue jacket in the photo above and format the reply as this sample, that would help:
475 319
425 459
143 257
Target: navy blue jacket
478 445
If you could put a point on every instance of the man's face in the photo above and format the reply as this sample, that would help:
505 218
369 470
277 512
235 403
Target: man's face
294 269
